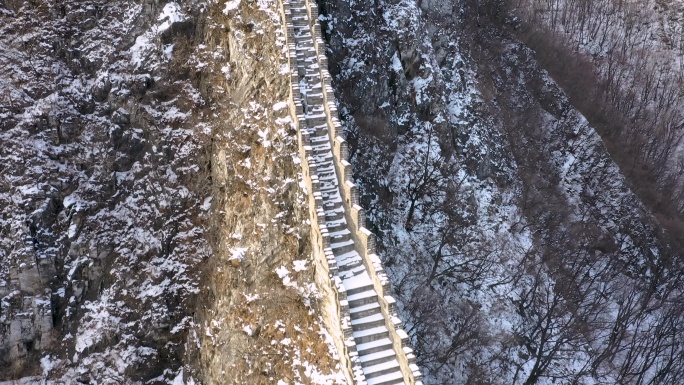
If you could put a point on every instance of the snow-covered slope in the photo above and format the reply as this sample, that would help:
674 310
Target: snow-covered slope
518 251
102 224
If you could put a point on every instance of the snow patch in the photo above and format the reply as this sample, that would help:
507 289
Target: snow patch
299 265
237 254
279 106
170 14
231 5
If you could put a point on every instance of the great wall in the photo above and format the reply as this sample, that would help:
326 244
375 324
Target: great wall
359 310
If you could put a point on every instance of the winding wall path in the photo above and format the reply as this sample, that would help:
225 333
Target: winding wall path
372 342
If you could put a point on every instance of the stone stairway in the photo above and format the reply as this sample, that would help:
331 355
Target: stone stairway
376 354
359 309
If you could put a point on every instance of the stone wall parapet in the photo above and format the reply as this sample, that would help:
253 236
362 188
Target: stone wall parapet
327 271
364 239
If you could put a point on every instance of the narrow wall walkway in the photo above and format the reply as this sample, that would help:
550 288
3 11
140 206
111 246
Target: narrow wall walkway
379 345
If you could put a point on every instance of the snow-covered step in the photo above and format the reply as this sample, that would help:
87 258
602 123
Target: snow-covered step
347 274
381 369
314 84
341 232
319 149
359 283
371 334
347 258
342 247
322 128
377 358
326 168
331 205
369 322
314 111
329 170
387 379
318 145
324 165
312 75
364 311
340 239
313 99
335 212
374 347
333 202
318 131
332 194
315 116
319 135
351 272
340 236
302 49
352 269
329 193
328 186
315 120
363 298
335 225
333 215
329 176
316 87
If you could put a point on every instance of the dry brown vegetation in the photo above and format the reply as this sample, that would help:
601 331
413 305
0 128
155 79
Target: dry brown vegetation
251 328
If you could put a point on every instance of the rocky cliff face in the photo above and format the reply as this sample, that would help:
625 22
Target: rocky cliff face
103 214
149 195
260 311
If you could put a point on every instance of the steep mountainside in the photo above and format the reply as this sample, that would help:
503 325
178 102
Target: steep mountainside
150 198
518 250
102 224
520 161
